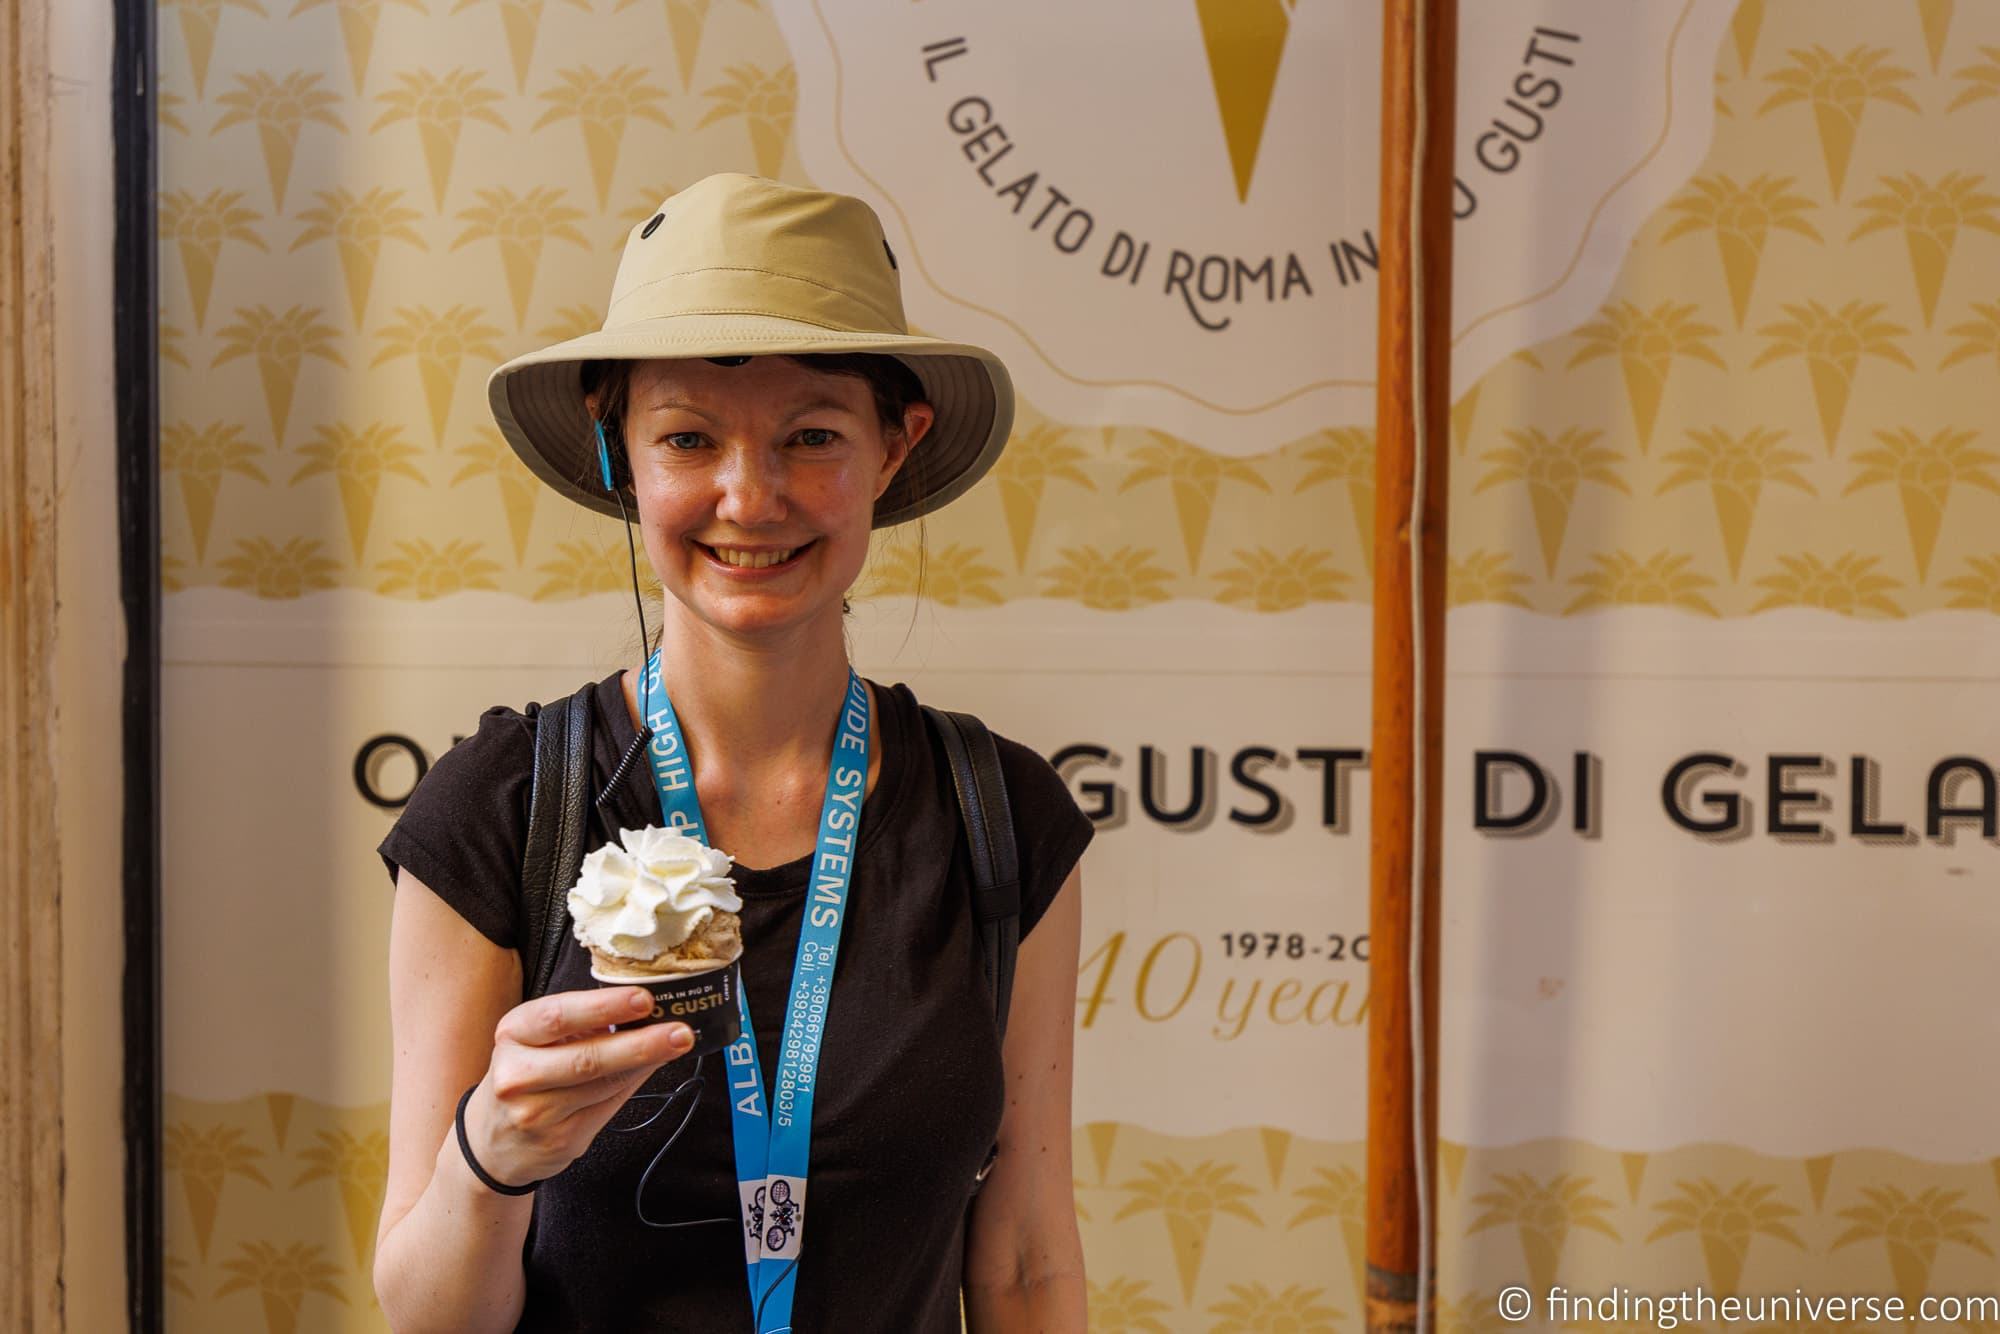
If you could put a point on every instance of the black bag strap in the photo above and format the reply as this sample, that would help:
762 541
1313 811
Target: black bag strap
558 820
989 831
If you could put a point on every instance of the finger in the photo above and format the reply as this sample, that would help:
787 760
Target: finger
608 1092
550 1019
587 1060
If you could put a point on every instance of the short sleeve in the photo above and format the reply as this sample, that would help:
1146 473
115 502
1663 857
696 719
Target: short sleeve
465 825
1050 830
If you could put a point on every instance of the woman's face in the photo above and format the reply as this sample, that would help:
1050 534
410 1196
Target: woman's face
756 484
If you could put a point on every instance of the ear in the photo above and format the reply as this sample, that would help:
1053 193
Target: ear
917 420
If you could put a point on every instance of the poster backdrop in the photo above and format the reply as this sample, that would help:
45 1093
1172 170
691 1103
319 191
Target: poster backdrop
1720 809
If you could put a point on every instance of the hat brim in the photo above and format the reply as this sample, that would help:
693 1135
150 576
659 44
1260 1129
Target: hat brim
537 399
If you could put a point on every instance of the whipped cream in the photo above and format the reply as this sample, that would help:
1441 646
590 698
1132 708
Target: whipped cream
642 899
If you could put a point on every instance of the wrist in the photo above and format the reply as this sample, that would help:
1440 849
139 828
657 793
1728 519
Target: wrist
495 1178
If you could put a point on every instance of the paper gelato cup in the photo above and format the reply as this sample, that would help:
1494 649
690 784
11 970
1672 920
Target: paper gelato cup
705 1001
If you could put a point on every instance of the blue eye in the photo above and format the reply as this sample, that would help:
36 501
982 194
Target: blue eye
817 436
684 440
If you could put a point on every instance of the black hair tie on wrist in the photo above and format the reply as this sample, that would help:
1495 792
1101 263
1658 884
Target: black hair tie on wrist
465 1147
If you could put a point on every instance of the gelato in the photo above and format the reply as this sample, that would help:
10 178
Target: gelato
656 903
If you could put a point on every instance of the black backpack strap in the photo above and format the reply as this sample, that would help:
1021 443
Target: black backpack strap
558 821
989 831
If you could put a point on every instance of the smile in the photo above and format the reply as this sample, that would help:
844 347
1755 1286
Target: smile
748 558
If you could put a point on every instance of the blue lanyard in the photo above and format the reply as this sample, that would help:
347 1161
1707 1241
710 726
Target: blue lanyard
774 1145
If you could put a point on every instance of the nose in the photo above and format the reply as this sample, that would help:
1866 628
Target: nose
752 482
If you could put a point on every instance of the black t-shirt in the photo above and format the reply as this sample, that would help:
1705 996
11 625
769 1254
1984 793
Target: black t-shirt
910 1089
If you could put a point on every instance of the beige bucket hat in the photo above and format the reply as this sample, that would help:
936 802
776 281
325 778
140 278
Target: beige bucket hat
742 266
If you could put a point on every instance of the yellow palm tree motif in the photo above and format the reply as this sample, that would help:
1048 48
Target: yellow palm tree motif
1253 1308
1924 470
279 342
1034 457
1268 580
602 106
1849 585
283 1277
522 224
1839 89
358 1165
1832 343
1542 1213
685 20
206 1159
1936 18
572 322
199 19
1979 590
199 458
1552 469
175 1276
1484 576
1742 218
173 572
1912 1228
1726 1221
954 577
359 458
1117 581
424 571
358 22
1930 214
263 567
1981 337
199 228
1122 1306
170 338
491 456
440 341
1188 1198
520 20
168 107
1339 1193
1346 456
1736 469
583 568
358 225
1982 80
1623 580
767 102
1194 475
1647 343
1474 1313
440 105
280 109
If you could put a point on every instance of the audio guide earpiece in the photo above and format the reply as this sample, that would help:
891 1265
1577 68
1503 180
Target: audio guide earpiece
604 459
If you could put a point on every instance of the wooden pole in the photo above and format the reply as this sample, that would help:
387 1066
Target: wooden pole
1412 417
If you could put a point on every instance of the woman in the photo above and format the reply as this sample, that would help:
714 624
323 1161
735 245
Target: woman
759 431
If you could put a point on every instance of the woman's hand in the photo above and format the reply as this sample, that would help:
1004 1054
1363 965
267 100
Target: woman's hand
557 1076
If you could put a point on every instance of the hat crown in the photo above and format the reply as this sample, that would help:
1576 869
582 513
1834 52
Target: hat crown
744 245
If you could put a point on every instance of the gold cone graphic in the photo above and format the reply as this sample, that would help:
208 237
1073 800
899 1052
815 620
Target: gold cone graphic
1818 1172
517 494
198 31
1936 16
767 138
1836 140
520 19
1830 384
685 20
1193 506
198 495
357 266
1452 1156
1740 257
1541 1252
279 1107
1725 1266
1354 1238
357 32
1188 1237
1551 509
1929 255
279 377
357 501
1735 507
520 256
1020 499
439 377
1635 1172
1361 499
278 145
600 141
202 1199
1102 1134
281 1315
361 1205
1277 1146
1645 385
1912 1269
440 143
1744 28
198 263
1462 413
1925 516
1246 42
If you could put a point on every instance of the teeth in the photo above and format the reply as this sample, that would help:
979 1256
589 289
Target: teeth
752 560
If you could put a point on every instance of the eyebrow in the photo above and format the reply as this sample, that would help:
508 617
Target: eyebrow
816 405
